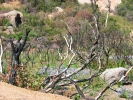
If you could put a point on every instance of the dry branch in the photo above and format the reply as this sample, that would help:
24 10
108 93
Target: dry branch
113 83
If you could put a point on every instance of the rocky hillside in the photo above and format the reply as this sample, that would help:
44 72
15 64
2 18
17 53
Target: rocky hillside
47 20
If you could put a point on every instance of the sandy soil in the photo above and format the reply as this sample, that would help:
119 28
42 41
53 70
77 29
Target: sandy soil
9 92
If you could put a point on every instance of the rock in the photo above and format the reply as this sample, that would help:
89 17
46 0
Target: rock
51 16
102 4
15 17
57 11
131 34
9 30
113 74
54 46
84 1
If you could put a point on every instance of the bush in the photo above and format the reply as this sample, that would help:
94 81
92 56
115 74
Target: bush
85 14
2 1
45 5
121 10
4 22
125 9
129 16
29 78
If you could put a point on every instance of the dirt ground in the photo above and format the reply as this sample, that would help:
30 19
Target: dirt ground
9 92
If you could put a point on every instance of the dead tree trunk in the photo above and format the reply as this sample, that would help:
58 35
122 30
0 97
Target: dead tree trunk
1 53
16 51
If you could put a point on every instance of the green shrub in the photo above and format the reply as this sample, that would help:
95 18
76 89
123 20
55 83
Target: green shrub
30 78
131 75
8 23
76 97
45 5
4 22
121 10
2 1
125 9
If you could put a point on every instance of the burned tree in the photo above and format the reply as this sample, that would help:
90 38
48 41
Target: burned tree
18 20
16 51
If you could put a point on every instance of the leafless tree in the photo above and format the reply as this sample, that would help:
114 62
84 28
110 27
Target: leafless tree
1 53
16 51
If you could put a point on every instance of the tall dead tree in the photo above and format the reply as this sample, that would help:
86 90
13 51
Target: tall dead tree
1 53
16 51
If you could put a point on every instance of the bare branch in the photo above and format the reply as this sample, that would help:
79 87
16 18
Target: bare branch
106 22
92 30
126 74
79 90
113 83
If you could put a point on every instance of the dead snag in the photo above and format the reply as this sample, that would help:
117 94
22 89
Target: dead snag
16 51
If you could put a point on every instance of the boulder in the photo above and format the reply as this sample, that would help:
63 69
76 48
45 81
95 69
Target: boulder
51 16
113 74
9 30
102 4
15 17
57 11
84 1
